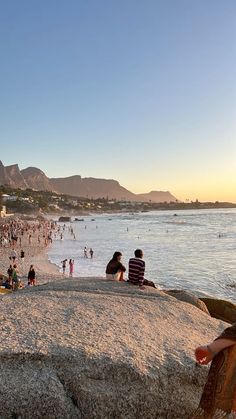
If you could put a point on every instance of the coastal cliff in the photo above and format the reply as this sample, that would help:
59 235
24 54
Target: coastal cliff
89 348
89 187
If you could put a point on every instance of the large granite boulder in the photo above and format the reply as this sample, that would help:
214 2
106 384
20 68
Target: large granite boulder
89 348
187 297
221 309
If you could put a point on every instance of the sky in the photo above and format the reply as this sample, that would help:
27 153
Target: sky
138 91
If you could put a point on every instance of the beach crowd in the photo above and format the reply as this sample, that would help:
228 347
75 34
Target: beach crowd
19 241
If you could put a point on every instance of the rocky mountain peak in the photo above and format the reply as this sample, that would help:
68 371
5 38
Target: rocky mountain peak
89 187
36 179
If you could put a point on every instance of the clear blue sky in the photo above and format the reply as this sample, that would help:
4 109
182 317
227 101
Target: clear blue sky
139 91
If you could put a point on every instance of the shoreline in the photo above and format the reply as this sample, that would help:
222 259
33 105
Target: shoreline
73 213
132 211
46 271
37 254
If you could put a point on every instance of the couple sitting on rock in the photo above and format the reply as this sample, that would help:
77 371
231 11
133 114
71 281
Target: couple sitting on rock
115 270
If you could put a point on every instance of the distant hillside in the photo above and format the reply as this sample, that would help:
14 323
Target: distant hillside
92 188
34 178
156 196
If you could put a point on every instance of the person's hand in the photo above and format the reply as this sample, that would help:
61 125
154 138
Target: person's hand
203 355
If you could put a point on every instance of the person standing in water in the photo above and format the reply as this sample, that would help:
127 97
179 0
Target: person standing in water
64 266
91 253
71 267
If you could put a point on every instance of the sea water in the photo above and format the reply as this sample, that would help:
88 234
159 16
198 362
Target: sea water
193 250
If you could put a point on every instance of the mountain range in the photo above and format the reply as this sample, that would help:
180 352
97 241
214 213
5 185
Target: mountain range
34 178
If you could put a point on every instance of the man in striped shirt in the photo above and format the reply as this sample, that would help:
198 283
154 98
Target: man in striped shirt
137 269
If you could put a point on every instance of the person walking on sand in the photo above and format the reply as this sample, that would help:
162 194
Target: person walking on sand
85 252
15 279
219 395
13 255
115 270
71 266
31 276
137 269
10 274
22 255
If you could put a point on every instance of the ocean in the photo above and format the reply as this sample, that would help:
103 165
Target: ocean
194 250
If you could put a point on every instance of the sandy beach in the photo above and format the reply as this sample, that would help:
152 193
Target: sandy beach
35 254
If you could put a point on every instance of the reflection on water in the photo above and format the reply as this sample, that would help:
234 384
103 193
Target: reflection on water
195 251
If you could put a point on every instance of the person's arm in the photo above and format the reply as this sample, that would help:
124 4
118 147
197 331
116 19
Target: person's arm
205 354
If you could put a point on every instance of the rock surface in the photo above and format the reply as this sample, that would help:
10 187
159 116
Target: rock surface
89 348
221 309
187 297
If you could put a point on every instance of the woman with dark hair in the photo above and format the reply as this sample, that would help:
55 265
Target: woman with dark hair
218 400
115 270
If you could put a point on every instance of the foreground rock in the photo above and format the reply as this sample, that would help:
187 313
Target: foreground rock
187 297
84 348
221 309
